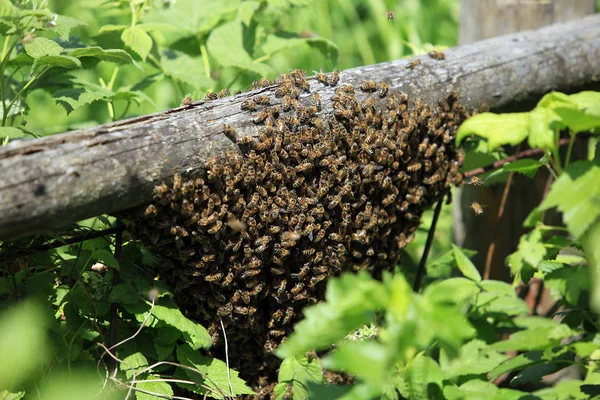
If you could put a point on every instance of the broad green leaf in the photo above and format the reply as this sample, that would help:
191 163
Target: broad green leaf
473 390
543 123
163 351
23 343
11 132
498 129
534 339
155 27
351 301
275 43
111 55
568 283
60 61
185 69
466 267
535 373
422 371
576 193
246 11
8 10
42 47
167 335
495 303
517 363
112 28
133 364
124 293
138 40
592 252
453 290
532 248
106 258
194 333
525 166
474 358
160 388
580 112
211 373
367 360
225 44
587 101
298 371
64 25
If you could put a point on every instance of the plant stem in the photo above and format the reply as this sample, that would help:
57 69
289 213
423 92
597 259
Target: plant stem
430 234
7 110
205 59
569 150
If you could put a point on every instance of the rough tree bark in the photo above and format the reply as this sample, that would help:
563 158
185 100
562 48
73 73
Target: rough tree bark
482 19
54 181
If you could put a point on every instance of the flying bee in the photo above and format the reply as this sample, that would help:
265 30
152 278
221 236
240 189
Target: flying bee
248 105
413 64
213 277
477 209
390 15
475 181
334 78
383 89
414 167
437 55
224 93
368 86
211 96
263 100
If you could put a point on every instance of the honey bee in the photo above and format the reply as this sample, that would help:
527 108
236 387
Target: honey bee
316 100
224 93
187 101
211 96
297 288
276 333
316 279
260 117
431 150
477 209
289 314
413 64
334 78
214 277
248 105
250 273
241 310
320 235
383 89
225 310
368 86
261 83
437 55
244 140
475 181
414 167
215 228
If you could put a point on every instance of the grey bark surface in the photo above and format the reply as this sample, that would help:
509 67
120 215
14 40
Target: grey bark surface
481 19
51 182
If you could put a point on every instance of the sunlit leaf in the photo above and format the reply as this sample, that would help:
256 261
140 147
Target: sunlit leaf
498 129
466 267
298 372
41 46
138 40
525 166
155 386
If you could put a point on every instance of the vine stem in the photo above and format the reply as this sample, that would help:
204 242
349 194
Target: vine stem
114 305
12 103
569 150
430 234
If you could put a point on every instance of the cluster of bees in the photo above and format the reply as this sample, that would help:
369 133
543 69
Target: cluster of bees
322 188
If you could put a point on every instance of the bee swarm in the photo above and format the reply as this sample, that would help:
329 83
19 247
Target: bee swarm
322 189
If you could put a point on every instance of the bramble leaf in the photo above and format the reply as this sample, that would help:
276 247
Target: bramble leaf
133 364
60 61
298 371
281 41
525 166
246 11
64 25
543 123
162 388
123 293
42 47
498 129
111 55
138 40
466 266
195 334
185 69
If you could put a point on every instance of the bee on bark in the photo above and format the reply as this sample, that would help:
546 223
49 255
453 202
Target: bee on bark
413 64
321 77
334 78
316 100
260 117
261 83
437 55
383 89
368 86
224 93
262 100
477 209
248 105
211 96
187 101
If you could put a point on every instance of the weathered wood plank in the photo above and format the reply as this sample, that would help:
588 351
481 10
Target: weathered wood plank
51 182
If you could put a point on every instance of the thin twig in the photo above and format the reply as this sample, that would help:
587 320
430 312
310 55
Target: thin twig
518 156
113 306
492 246
227 358
430 234
546 191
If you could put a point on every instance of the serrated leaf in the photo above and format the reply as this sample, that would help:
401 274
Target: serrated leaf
138 40
123 293
246 11
466 267
76 97
64 25
498 129
133 364
367 360
576 194
112 28
475 358
226 44
185 69
60 61
8 10
195 334
286 40
580 112
454 290
592 252
41 46
298 371
106 257
163 351
568 283
422 371
495 303
534 339
526 166
162 388
213 374
11 132
543 123
117 56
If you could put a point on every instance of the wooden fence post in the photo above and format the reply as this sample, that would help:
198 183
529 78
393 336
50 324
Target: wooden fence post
482 19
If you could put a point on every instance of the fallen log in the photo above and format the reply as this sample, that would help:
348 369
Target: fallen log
51 182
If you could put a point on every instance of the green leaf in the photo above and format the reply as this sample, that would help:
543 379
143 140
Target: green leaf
543 123
226 44
185 69
453 290
498 129
23 343
421 372
8 10
117 56
466 267
124 293
286 40
195 334
535 373
367 360
211 373
298 371
567 283
64 25
11 132
138 40
133 364
80 383
516 363
164 351
351 301
592 253
475 358
153 387
525 166
246 11
106 258
112 28
59 61
580 112
41 46
576 194
534 339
